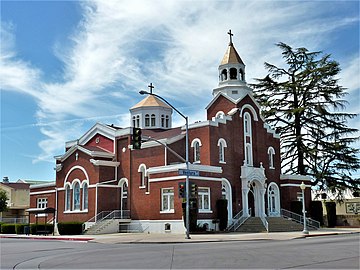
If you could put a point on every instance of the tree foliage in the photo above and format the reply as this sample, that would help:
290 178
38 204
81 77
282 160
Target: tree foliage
305 103
3 200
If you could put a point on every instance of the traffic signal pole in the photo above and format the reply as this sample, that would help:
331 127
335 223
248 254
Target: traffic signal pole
142 92
187 180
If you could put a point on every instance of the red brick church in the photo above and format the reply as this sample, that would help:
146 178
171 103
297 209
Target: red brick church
236 153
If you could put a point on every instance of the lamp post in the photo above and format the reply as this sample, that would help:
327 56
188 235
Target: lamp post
303 186
187 214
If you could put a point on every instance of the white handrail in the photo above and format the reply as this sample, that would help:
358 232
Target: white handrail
299 218
265 223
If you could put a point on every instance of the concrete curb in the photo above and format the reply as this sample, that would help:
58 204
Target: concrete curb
84 239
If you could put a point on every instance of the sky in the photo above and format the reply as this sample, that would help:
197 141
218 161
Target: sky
65 65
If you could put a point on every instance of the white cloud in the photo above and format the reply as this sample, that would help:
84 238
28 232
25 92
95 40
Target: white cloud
117 49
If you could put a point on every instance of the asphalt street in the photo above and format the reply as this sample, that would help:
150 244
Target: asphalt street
326 252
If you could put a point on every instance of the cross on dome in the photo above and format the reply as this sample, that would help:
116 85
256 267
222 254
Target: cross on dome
230 34
151 87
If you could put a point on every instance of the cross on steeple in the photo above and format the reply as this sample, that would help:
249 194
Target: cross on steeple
151 87
230 34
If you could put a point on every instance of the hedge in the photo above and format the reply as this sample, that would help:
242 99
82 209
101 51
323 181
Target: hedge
19 228
331 213
41 228
8 228
316 211
222 213
70 228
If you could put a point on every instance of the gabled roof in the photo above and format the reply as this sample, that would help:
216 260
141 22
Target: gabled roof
151 101
92 151
16 185
231 56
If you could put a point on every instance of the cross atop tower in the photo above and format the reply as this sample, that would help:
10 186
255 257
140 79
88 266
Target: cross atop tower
230 34
151 87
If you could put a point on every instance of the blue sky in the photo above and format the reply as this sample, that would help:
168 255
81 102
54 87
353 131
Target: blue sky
66 64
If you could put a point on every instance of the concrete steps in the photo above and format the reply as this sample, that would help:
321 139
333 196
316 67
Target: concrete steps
252 225
280 224
106 226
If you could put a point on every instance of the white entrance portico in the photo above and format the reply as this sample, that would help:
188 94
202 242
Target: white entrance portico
253 184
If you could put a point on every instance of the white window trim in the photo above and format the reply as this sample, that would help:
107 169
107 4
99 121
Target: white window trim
142 170
248 145
167 211
201 210
82 190
44 201
73 195
194 141
224 145
271 153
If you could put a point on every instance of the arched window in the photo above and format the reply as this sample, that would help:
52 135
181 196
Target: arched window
271 153
247 124
248 139
142 171
76 196
162 120
147 120
85 200
67 197
167 121
153 122
233 74
224 75
220 115
222 145
134 123
196 143
242 75
138 121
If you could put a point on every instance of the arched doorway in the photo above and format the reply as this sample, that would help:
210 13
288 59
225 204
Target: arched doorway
227 194
123 183
273 200
255 198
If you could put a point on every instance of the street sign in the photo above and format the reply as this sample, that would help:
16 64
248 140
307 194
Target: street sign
188 172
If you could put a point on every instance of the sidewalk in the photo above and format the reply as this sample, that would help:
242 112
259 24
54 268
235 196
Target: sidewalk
127 238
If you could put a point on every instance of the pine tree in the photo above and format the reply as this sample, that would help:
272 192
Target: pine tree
305 103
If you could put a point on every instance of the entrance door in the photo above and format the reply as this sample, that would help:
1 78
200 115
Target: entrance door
251 201
124 197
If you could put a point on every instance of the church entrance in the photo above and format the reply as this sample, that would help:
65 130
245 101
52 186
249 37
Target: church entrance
123 195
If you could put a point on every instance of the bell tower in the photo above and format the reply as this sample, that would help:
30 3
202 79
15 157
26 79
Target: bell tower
232 74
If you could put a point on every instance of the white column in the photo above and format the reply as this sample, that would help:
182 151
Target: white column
262 202
245 204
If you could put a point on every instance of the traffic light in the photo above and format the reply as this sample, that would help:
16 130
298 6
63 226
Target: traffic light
136 138
181 190
194 190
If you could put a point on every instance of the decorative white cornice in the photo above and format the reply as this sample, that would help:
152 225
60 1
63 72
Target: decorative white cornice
86 151
297 177
58 167
152 143
51 184
180 177
104 163
294 185
176 167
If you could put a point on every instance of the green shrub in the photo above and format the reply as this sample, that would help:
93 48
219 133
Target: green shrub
19 228
222 213
331 213
41 228
296 207
316 211
70 228
8 228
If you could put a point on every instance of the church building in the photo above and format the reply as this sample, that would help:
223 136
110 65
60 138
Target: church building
236 155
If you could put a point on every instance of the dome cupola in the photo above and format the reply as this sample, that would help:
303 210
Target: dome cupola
151 113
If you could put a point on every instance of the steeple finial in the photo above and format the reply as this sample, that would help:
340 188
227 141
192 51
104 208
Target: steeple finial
151 87
230 34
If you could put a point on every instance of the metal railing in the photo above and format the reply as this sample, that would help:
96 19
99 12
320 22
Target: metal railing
265 223
99 216
118 214
300 219
21 220
239 219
